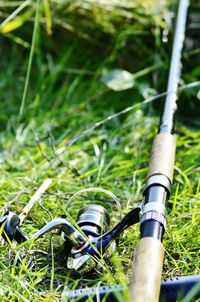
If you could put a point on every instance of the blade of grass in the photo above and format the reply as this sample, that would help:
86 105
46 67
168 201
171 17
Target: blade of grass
47 12
35 29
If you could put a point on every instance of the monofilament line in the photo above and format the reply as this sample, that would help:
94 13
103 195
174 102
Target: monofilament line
124 111
15 13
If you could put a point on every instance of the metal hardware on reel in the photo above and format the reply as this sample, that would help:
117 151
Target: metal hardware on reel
84 244
93 220
11 223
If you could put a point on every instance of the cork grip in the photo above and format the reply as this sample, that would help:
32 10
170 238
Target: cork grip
163 154
145 285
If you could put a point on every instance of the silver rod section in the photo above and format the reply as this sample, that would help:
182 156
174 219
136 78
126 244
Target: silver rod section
175 69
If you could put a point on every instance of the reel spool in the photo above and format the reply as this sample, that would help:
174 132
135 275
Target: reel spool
93 220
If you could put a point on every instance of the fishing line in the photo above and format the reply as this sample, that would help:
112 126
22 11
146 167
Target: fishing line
107 192
124 111
15 13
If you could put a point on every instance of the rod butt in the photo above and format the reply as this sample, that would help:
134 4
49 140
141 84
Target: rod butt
146 280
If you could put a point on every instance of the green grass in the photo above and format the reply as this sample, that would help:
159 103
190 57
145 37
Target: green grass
57 135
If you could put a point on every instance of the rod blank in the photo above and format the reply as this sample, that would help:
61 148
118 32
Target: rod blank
175 69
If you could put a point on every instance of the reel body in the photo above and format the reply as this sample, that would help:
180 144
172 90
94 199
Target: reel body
84 243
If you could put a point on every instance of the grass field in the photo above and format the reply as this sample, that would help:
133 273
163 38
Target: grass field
61 117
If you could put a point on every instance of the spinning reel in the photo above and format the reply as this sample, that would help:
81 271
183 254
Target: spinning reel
85 243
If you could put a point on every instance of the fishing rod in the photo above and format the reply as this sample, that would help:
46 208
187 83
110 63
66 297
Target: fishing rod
148 261
87 241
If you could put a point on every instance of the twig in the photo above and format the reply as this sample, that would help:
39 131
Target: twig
45 185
